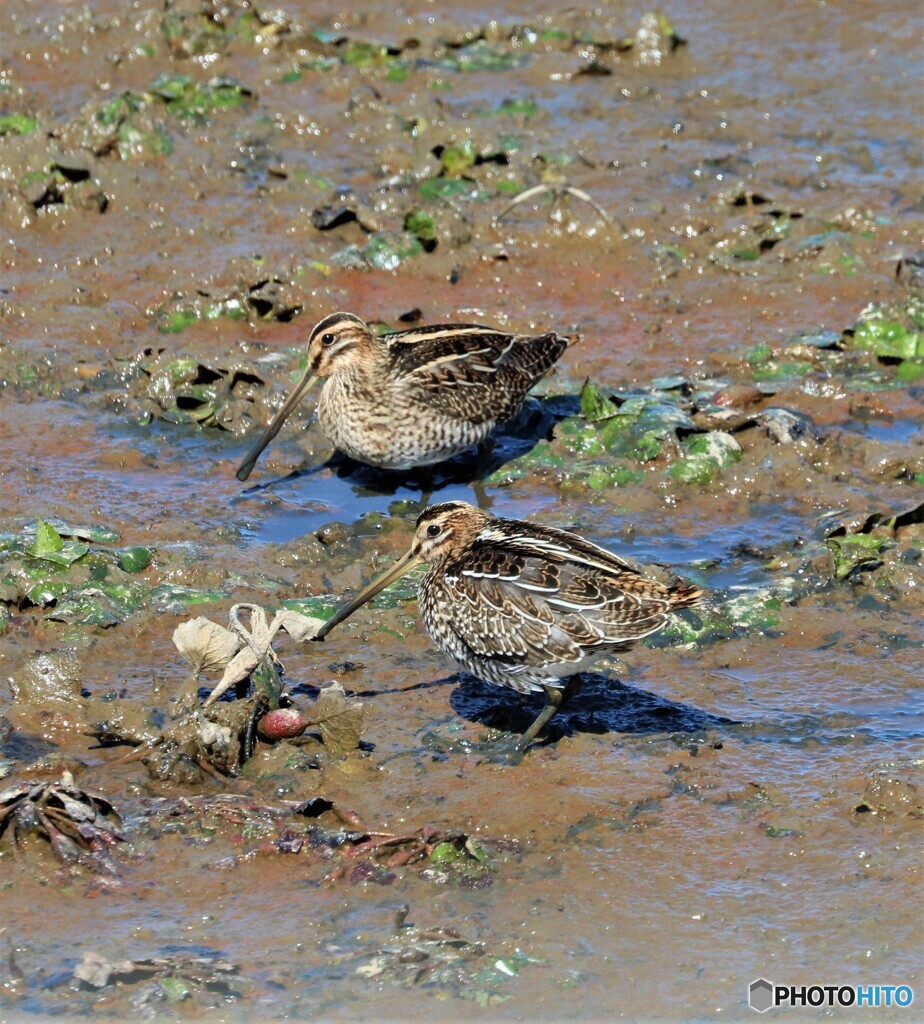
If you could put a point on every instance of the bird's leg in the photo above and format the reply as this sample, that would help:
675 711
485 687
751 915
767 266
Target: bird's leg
484 452
555 696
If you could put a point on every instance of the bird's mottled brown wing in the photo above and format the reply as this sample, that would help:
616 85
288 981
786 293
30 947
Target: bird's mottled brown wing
468 371
533 598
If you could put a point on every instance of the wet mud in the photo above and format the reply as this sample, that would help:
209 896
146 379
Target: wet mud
730 220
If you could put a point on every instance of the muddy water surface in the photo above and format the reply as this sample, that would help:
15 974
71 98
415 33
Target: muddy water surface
185 188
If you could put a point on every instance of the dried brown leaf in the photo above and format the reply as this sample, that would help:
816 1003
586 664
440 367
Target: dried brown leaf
207 646
240 667
299 627
96 970
340 720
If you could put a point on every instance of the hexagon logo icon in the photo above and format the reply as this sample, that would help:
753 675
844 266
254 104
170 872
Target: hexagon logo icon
760 995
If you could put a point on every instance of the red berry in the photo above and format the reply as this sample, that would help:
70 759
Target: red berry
282 724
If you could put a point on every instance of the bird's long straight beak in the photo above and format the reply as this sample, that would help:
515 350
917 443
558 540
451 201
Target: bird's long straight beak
305 384
405 563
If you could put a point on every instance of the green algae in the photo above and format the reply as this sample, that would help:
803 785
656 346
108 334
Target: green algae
704 457
87 583
525 108
619 437
721 617
855 552
18 124
313 607
386 250
188 99
420 224
889 336
73 581
126 123
173 319
446 188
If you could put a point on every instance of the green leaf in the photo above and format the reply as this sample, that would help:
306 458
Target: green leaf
47 592
482 55
96 534
224 93
446 188
176 320
541 457
648 445
705 456
520 108
313 607
175 989
133 142
456 159
363 55
758 354
389 250
603 477
171 88
398 71
118 109
579 437
189 99
134 559
18 124
87 608
70 552
444 853
420 223
594 404
128 596
47 540
51 547
888 339
173 598
910 370
477 850
855 552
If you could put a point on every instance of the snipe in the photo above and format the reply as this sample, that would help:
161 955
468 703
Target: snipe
414 397
522 605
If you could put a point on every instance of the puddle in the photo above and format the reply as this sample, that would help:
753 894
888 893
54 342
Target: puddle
889 431
305 500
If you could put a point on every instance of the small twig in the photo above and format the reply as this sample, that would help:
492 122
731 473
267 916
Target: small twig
140 751
556 190
378 844
209 770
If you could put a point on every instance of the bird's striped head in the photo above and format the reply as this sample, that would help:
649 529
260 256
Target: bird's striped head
338 340
447 528
442 530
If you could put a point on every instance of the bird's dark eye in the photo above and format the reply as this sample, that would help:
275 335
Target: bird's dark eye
433 530
327 339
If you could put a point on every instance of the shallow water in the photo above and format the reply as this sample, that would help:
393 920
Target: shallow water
704 813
